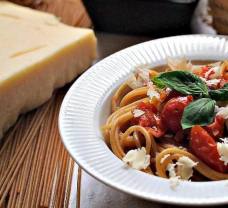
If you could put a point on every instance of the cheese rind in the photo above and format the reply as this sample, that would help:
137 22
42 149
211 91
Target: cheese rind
38 54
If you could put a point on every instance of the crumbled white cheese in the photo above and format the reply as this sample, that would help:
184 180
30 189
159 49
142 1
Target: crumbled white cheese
140 77
138 113
168 90
179 64
174 182
137 158
212 82
225 140
223 151
223 111
133 83
143 74
184 167
216 109
164 158
171 169
152 91
173 178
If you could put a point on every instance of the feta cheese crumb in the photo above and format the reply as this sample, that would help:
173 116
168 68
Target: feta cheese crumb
152 92
174 182
179 64
137 159
225 140
173 178
171 169
138 113
223 151
140 78
212 82
184 167
223 111
133 83
164 158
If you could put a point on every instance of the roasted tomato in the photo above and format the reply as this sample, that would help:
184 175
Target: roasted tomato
205 148
151 120
147 119
172 112
216 129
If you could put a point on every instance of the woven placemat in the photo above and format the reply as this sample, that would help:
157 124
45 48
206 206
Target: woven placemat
35 169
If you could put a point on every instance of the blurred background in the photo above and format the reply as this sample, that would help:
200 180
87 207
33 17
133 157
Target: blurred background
155 18
127 22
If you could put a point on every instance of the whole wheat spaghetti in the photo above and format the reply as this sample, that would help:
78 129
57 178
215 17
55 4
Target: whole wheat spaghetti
172 123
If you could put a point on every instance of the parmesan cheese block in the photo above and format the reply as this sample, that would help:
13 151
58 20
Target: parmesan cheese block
37 55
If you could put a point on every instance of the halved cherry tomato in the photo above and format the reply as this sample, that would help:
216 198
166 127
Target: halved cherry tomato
158 130
216 129
205 148
172 112
150 119
147 107
147 119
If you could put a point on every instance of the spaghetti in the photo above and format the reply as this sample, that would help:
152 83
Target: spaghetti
177 118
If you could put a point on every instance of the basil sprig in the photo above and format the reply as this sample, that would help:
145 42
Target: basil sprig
199 112
220 94
183 82
158 82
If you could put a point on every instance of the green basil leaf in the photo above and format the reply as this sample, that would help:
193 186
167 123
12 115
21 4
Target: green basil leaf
184 82
158 82
220 94
199 112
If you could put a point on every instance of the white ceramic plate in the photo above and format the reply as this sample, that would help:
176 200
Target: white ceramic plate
87 105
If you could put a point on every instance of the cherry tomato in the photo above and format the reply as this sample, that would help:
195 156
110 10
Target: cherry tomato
216 129
172 112
158 130
205 148
147 107
150 119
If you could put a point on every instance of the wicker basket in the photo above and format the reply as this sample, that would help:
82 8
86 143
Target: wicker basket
219 11
71 12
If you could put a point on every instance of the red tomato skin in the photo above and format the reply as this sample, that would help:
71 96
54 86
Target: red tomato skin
150 120
172 112
205 148
216 129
